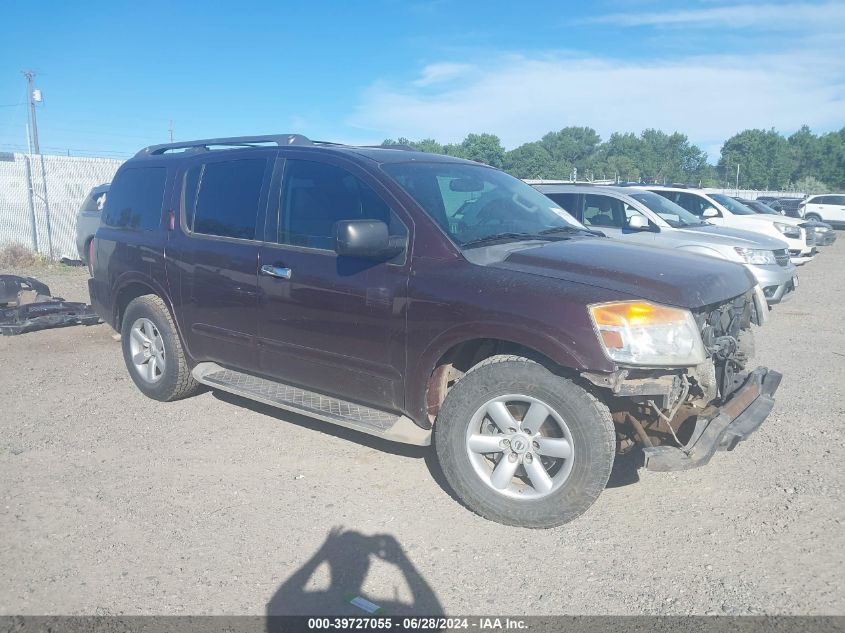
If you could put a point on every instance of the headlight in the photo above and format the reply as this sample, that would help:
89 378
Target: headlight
788 230
756 256
642 333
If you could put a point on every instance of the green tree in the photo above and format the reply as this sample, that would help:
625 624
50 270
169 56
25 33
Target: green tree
832 161
764 158
806 153
483 148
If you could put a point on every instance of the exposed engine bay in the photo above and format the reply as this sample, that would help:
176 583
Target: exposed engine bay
666 407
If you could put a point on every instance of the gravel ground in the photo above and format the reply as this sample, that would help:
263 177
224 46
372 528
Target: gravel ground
111 503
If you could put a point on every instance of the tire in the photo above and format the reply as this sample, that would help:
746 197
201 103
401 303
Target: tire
461 435
813 216
147 325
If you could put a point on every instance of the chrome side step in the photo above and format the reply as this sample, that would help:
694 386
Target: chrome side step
390 426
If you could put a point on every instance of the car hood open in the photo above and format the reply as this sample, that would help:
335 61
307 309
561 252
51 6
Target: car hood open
659 275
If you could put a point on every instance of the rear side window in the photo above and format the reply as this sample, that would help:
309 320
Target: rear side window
222 198
135 199
567 202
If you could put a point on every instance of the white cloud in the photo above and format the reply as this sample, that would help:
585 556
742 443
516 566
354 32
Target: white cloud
436 73
792 16
520 98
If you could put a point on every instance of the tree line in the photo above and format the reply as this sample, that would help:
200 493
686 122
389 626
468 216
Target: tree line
803 161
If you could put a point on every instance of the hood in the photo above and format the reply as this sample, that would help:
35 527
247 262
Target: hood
783 219
664 276
709 234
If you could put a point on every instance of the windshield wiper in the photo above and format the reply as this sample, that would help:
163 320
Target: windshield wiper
502 236
570 229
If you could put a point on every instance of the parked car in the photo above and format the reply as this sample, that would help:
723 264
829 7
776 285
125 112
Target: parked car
406 295
643 217
785 206
723 210
88 220
828 208
824 233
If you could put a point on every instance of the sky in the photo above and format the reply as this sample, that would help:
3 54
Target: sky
114 75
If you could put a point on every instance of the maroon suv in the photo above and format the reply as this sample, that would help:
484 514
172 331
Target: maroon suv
418 297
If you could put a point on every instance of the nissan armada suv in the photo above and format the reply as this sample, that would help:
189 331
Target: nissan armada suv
427 299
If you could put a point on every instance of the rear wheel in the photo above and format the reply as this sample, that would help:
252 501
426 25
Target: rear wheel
523 446
153 352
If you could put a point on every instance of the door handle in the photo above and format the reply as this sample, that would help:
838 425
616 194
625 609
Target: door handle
276 271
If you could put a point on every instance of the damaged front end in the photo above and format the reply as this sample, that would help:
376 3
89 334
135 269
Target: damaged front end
26 305
682 416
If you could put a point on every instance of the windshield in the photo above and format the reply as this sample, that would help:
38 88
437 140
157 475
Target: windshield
731 205
475 203
674 215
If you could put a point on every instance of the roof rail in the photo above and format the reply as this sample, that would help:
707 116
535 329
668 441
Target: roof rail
234 141
404 146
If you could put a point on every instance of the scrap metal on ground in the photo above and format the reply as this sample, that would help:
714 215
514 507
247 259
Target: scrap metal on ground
26 305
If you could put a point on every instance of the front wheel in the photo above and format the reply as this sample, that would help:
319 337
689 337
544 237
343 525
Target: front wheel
523 446
813 216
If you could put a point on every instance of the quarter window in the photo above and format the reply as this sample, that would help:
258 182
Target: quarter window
135 199
315 196
222 198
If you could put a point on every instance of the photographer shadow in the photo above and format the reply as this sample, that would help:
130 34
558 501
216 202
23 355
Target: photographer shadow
349 555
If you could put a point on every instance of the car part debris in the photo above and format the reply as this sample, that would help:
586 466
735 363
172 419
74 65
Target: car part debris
26 305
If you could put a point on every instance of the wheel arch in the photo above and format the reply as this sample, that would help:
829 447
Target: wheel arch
133 286
442 365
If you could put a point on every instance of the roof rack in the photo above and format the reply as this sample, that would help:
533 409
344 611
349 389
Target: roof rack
233 141
404 146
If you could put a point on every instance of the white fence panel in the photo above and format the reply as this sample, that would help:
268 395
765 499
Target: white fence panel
40 197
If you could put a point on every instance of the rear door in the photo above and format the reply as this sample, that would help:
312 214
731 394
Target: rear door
215 255
332 324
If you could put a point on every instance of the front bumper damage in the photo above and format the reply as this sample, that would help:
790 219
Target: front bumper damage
26 305
720 428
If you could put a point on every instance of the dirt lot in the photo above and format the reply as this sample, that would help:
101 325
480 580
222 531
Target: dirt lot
112 503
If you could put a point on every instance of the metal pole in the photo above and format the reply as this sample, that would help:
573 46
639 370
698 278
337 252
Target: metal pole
737 180
29 190
29 75
46 207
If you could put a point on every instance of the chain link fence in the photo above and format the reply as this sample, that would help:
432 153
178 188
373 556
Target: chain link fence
753 194
40 197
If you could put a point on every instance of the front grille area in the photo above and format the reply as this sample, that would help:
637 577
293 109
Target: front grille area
727 319
782 257
722 327
811 236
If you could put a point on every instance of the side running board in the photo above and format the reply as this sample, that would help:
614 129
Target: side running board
389 426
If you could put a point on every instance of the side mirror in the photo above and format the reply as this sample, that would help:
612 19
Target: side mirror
364 238
710 212
638 223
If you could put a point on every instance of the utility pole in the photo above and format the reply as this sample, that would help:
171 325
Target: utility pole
31 96
737 179
171 130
